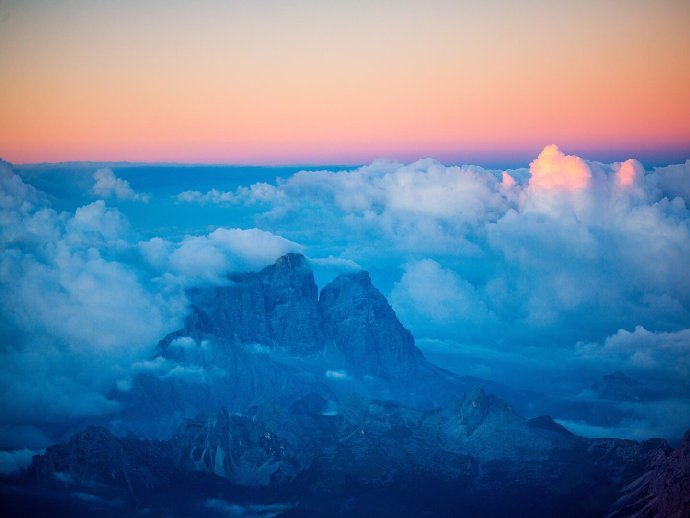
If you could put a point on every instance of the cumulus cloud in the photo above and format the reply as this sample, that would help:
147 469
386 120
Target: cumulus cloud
552 169
74 312
674 180
211 257
630 173
83 304
568 250
109 185
432 297
517 268
646 352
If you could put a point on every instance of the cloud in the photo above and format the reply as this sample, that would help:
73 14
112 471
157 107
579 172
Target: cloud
211 257
567 250
661 354
554 170
432 297
515 269
674 180
15 461
337 374
75 311
630 174
165 368
256 193
107 185
212 196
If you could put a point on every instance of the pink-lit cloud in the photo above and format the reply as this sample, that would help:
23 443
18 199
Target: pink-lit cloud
552 169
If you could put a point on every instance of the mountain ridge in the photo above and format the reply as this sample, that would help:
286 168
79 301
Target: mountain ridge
321 404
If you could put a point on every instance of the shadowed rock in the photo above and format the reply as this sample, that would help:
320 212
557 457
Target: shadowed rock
364 330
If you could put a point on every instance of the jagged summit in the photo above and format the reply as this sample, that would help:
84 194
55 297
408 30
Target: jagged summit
276 307
280 308
363 328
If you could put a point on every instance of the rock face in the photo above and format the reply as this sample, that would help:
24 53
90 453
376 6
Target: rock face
364 330
415 461
269 335
663 489
276 307
95 457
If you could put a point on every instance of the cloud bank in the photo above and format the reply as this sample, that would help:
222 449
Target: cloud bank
83 302
568 251
564 270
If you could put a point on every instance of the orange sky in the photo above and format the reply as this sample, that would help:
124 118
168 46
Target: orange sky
325 81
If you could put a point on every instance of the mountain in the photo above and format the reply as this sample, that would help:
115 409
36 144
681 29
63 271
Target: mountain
410 461
275 399
663 489
269 334
276 307
363 330
618 386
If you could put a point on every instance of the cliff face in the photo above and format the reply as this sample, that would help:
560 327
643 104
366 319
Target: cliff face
276 307
268 335
663 488
279 308
363 329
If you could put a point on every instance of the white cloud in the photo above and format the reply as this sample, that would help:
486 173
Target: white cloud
534 260
74 311
107 185
666 353
674 180
212 196
429 295
15 461
552 169
211 257
568 249
256 193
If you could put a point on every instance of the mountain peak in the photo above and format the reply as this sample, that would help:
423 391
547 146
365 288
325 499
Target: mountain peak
291 261
365 331
276 307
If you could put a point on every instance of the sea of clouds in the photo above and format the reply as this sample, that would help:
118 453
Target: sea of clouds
541 277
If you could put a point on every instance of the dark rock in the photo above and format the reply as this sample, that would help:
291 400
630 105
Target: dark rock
276 307
364 330
546 422
663 489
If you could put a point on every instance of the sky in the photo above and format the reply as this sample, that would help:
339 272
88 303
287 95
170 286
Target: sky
327 82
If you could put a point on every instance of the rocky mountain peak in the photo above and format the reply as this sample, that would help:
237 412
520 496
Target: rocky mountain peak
276 307
363 329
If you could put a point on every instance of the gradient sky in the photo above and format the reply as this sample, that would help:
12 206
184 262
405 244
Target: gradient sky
342 82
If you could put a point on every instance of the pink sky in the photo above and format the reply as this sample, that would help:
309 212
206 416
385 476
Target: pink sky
325 82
